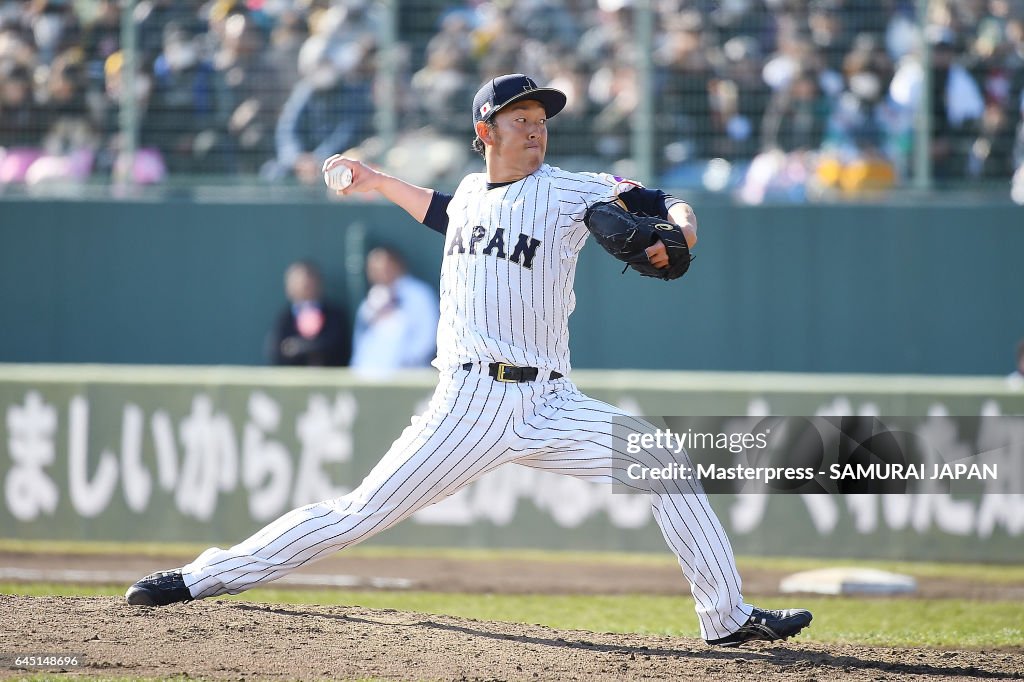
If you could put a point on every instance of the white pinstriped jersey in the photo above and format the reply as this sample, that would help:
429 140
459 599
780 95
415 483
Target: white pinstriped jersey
506 295
508 269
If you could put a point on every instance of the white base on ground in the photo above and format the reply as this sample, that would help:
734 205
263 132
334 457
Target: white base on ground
846 580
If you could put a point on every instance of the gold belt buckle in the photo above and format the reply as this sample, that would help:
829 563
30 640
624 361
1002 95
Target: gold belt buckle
501 373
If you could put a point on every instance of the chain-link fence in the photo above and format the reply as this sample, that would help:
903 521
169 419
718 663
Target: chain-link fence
754 99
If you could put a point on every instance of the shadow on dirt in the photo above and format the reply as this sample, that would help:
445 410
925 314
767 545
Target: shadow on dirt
775 659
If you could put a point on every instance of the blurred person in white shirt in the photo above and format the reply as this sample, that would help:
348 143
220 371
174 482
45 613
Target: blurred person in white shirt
396 324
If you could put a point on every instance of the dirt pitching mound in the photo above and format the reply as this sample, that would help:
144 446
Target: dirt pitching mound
239 640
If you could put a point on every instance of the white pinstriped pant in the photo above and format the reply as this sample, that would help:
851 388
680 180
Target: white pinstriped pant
473 425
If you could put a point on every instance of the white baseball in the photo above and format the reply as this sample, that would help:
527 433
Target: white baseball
338 177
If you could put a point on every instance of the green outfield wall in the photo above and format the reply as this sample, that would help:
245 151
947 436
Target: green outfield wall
928 289
210 454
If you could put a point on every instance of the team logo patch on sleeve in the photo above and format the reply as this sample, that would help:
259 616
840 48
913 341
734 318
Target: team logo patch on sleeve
624 184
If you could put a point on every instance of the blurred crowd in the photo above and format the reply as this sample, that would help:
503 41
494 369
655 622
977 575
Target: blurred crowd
767 98
220 87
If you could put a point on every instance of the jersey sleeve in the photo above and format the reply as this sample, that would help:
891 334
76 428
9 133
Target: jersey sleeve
636 197
650 202
436 217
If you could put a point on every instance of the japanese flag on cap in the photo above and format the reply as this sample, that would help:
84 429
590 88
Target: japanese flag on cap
514 87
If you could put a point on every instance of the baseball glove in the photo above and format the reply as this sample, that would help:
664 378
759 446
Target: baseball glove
627 235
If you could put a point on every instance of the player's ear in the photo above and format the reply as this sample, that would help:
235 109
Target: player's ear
483 131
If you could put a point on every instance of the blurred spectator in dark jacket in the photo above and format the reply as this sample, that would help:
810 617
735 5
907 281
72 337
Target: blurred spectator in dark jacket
957 108
737 100
310 330
683 114
796 116
64 92
858 115
181 117
997 53
613 89
20 124
248 96
991 154
101 38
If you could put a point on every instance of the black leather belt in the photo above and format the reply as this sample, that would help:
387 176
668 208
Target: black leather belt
499 371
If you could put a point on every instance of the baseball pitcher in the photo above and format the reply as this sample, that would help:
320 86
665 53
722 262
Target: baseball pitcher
512 236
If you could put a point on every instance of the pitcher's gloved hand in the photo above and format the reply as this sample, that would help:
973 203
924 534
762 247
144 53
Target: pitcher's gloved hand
627 236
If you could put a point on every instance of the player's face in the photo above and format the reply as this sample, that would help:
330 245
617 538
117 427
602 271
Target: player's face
520 138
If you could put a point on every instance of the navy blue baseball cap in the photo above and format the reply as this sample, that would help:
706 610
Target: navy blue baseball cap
514 87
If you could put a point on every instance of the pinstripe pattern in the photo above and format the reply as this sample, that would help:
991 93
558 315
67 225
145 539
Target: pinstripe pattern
497 309
568 421
506 296
474 424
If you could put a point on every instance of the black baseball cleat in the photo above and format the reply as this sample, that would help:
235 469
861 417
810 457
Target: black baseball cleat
158 589
767 625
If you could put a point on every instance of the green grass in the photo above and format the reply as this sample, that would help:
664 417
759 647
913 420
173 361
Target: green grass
61 590
873 621
991 573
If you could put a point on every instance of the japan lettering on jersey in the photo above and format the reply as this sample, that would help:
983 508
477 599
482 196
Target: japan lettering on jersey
509 263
